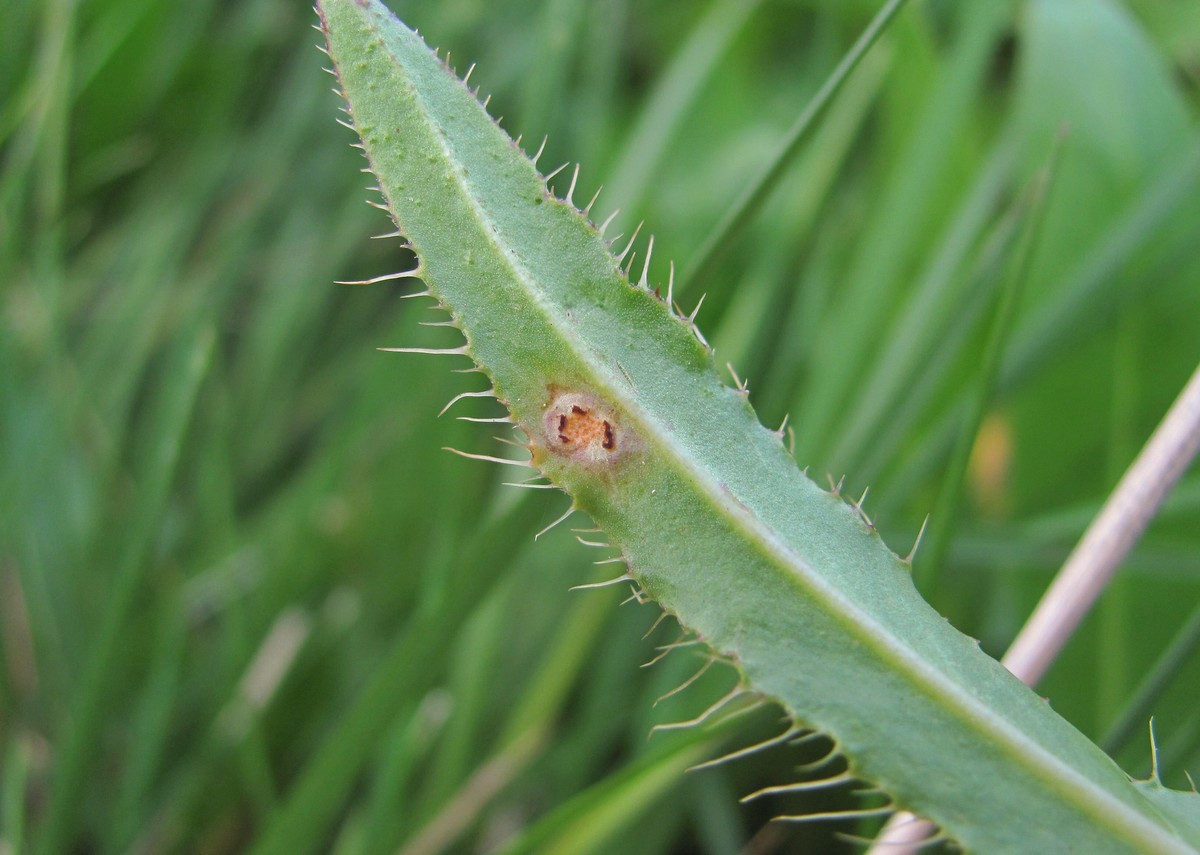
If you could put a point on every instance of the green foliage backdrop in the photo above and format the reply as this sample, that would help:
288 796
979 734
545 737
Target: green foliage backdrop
245 602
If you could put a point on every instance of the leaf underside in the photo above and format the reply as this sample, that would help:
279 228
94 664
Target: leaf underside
620 404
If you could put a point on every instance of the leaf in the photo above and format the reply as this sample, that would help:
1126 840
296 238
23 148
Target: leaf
1182 809
618 399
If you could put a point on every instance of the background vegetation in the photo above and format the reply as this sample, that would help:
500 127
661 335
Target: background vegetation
245 602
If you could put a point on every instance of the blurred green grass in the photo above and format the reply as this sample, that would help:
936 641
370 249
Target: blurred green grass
245 602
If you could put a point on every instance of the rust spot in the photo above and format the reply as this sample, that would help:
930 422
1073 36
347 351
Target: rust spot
583 427
580 427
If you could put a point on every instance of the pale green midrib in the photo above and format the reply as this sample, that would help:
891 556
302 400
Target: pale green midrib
1059 776
887 646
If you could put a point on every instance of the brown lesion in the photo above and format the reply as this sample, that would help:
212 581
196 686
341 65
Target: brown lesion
581 428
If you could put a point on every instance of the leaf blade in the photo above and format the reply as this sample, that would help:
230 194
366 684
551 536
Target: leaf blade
713 517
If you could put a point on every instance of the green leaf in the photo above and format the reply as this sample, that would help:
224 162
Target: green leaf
620 405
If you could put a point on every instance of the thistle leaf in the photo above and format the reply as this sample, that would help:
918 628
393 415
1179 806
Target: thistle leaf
622 407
